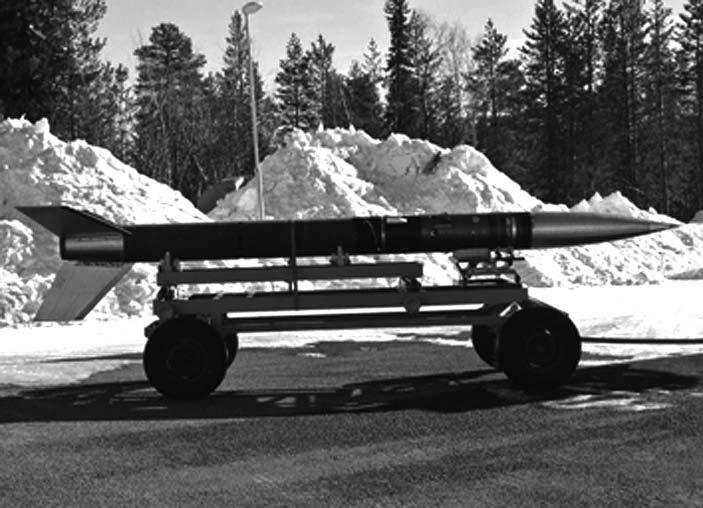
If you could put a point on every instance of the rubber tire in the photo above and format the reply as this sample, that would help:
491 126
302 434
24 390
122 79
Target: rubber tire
185 359
539 348
232 345
485 342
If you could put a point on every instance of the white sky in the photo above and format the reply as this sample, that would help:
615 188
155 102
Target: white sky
347 24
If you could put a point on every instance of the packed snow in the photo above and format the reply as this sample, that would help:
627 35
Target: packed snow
329 173
41 354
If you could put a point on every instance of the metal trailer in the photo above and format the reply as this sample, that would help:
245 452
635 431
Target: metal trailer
195 339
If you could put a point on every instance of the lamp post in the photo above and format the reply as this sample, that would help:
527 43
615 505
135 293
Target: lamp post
248 9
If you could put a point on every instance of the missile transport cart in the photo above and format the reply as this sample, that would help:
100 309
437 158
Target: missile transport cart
195 339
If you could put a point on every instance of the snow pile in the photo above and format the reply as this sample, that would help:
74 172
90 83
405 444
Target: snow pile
339 172
617 204
307 182
36 168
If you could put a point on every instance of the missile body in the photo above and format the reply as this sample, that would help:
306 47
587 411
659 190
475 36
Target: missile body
84 236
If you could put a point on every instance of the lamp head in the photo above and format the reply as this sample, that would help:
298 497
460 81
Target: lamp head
252 7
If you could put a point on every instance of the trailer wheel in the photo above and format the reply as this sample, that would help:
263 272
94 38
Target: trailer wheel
485 342
232 345
185 359
539 348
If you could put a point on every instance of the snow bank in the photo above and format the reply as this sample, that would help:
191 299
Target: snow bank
337 172
305 181
617 204
36 168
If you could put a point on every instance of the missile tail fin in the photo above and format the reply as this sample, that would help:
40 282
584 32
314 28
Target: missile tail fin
77 289
64 221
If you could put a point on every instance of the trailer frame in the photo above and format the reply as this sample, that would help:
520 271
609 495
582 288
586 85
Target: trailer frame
487 295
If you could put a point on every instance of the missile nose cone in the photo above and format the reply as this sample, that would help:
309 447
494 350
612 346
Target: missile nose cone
655 227
563 229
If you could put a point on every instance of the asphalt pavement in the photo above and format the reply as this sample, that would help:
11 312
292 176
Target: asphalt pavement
360 424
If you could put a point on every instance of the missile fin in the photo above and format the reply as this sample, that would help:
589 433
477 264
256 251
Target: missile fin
77 289
64 221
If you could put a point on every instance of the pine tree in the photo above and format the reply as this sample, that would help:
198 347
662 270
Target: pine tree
511 85
544 72
402 111
296 92
373 62
691 41
660 105
321 54
623 33
495 83
454 107
574 84
234 120
426 60
234 144
450 113
50 61
106 111
74 22
484 84
123 121
172 114
23 87
365 108
583 70
328 85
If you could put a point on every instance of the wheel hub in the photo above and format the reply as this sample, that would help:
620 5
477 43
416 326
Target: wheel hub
542 349
186 360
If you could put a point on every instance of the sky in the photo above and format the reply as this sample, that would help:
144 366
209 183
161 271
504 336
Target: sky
348 24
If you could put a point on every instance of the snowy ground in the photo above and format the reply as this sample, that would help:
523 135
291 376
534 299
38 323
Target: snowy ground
47 354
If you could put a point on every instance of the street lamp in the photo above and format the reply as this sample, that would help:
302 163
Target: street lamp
248 9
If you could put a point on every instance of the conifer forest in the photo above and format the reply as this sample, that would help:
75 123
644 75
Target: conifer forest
603 95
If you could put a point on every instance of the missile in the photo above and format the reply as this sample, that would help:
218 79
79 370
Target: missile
98 253
84 236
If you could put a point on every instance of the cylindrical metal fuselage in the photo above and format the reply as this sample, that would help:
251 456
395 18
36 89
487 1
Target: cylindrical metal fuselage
352 236
261 239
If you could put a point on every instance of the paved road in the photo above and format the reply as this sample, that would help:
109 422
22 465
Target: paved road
353 424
